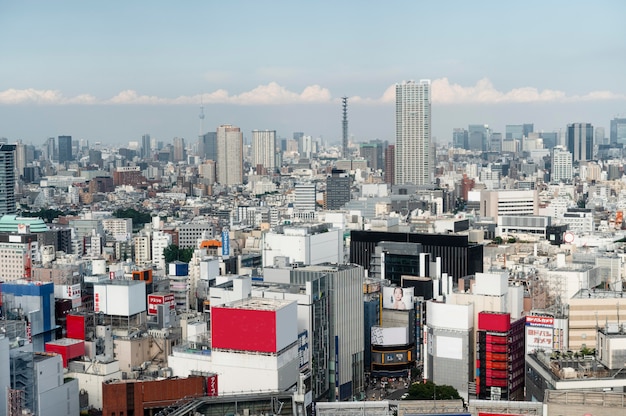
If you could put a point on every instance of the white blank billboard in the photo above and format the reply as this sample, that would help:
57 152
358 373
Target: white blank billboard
449 347
390 336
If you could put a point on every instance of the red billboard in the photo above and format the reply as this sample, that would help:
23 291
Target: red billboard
494 321
540 321
243 329
75 326
160 299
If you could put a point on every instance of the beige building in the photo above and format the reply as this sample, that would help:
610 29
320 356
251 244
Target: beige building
590 309
229 155
508 202
264 149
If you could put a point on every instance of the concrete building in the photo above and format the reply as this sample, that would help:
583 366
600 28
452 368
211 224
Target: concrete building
33 301
516 225
499 357
253 347
580 221
413 155
308 245
580 141
618 130
142 250
449 350
18 252
65 149
373 153
561 165
7 179
190 234
345 342
508 202
459 257
590 308
120 228
160 241
229 155
337 190
306 195
548 373
264 150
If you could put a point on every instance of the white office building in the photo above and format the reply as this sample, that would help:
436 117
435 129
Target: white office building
561 165
264 149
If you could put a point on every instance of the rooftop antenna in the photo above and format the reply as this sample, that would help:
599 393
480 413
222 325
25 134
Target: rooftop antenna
344 103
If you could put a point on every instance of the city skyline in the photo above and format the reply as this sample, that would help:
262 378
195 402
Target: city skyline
113 72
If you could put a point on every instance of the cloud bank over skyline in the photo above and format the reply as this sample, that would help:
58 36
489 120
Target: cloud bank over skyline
444 92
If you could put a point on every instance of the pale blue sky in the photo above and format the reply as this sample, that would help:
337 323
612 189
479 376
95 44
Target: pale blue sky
111 71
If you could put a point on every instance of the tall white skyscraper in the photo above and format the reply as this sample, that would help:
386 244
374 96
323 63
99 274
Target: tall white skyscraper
264 149
413 141
229 155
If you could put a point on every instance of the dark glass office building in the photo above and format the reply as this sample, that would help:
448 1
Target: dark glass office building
459 257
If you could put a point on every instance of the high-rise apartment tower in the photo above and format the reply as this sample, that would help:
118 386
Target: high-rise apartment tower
413 137
229 155
7 179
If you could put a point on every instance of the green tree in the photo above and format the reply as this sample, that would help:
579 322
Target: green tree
139 217
48 215
174 253
171 253
430 391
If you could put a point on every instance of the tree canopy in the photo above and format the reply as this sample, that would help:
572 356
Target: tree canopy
173 253
48 215
139 218
430 391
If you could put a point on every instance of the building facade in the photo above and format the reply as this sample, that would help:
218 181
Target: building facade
264 149
229 155
413 134
500 357
561 165
7 179
65 149
337 189
580 141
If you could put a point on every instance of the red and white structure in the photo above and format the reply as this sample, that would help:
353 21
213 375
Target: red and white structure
254 347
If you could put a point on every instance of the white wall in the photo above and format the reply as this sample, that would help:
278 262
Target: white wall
241 372
309 249
449 316
60 401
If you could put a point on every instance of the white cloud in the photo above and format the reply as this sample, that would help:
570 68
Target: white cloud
31 95
443 92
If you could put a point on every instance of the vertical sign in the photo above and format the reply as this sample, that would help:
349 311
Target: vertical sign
225 243
337 367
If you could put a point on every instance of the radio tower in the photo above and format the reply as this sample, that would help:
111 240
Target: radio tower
344 103
201 117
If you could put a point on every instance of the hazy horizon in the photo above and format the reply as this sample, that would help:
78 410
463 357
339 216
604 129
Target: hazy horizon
111 72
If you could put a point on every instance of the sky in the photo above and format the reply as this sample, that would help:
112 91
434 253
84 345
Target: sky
111 71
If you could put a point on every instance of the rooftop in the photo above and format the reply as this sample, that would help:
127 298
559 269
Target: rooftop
260 304
10 224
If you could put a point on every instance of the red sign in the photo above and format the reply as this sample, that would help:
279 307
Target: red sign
154 300
540 321
211 385
243 329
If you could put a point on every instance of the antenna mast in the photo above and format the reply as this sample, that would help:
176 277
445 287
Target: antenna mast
344 103
201 117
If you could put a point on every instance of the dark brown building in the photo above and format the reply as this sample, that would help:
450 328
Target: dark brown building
133 397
